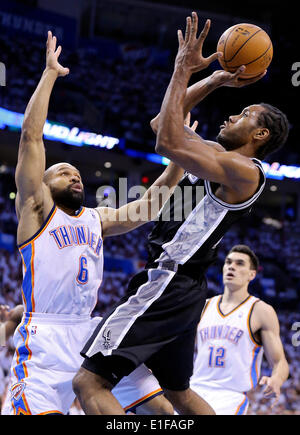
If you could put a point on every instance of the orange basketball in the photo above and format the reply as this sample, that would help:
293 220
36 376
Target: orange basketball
245 44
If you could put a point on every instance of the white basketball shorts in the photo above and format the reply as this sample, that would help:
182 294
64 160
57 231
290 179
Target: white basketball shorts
46 359
223 402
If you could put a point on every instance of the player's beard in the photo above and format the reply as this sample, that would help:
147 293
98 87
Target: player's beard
229 145
68 198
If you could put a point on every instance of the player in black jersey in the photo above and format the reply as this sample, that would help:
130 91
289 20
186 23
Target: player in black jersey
155 322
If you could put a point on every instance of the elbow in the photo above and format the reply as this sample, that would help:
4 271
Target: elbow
166 148
29 136
154 125
160 148
162 145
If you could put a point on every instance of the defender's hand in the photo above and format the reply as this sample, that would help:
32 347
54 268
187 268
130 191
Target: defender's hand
52 56
189 53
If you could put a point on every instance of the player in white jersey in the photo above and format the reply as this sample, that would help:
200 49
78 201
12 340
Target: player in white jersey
61 244
234 331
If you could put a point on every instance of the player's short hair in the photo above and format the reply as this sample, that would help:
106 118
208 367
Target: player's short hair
277 123
244 249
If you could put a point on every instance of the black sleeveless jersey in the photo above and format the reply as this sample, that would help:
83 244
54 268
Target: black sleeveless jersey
192 223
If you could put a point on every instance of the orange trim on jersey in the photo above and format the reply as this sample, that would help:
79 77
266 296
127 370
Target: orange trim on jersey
80 214
42 229
251 335
51 412
239 407
26 345
14 408
225 315
32 276
256 371
22 412
23 365
26 404
137 402
17 352
23 296
204 309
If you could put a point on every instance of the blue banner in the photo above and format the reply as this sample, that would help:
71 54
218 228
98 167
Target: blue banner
16 19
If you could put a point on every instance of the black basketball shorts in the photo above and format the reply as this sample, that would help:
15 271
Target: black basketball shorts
154 323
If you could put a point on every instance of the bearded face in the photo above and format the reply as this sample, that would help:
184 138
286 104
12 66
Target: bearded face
239 129
65 185
68 197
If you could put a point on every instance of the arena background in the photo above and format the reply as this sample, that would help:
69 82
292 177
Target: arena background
120 54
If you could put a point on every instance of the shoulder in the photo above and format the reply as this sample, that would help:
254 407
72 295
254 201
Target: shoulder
264 314
209 302
263 308
239 168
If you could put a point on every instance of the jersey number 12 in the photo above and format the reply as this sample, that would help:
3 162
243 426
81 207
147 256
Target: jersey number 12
216 356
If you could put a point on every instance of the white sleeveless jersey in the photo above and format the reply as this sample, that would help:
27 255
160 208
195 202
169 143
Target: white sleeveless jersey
228 357
63 264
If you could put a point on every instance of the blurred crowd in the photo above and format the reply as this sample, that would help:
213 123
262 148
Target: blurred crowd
124 96
126 92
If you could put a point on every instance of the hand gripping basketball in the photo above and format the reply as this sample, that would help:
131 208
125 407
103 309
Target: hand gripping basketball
233 80
189 54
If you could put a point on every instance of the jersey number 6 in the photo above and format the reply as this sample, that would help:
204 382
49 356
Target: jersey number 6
83 274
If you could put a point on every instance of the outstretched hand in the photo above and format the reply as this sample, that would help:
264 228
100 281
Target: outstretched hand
190 46
52 56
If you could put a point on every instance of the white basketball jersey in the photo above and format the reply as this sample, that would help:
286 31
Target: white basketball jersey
228 356
63 264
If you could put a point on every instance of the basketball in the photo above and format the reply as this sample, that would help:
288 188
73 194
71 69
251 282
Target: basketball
245 44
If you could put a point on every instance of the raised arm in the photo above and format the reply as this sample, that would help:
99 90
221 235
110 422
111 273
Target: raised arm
267 324
194 154
200 90
194 95
32 195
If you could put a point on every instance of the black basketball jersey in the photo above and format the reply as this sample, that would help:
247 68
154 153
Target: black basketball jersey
192 223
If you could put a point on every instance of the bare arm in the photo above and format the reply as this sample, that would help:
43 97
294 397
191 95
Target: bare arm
31 158
34 202
194 95
200 90
136 213
193 154
266 321
145 209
